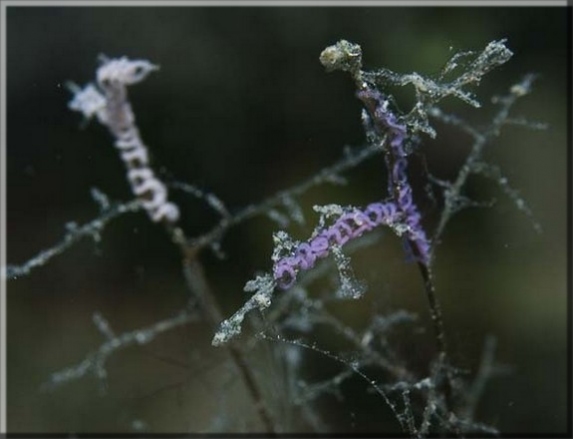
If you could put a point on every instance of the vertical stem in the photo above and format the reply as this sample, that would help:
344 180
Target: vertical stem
438 322
197 282
435 309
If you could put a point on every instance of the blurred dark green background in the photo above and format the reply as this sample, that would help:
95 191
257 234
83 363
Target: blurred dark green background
242 107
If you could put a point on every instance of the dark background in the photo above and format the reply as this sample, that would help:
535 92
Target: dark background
242 107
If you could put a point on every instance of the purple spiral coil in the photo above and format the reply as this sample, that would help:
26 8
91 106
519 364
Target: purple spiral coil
348 226
354 223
